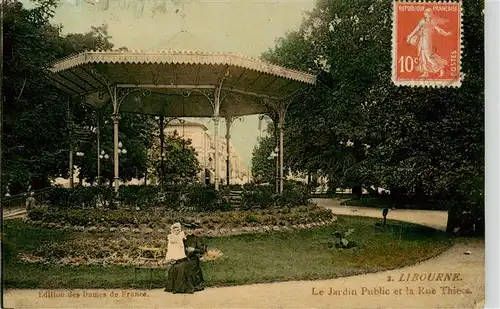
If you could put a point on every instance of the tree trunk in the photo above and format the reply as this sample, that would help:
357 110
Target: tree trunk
332 186
452 221
357 191
420 196
397 195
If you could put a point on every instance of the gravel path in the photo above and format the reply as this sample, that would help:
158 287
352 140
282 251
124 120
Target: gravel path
433 218
467 291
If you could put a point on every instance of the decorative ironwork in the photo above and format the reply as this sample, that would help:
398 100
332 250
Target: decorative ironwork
207 93
101 77
101 94
119 94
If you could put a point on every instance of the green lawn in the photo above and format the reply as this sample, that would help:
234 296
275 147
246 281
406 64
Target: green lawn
254 258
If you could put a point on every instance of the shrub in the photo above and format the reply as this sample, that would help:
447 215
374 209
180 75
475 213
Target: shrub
130 195
59 196
195 196
84 196
294 194
258 197
203 198
79 197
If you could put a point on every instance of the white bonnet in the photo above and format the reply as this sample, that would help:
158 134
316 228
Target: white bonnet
177 224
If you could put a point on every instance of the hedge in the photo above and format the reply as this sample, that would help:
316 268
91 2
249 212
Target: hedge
195 197
264 196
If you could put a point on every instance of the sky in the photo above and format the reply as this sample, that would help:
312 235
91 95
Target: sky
249 27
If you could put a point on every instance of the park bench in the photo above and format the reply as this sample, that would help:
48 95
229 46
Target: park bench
151 258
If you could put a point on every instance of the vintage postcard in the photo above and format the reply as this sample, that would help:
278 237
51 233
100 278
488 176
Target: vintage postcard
242 154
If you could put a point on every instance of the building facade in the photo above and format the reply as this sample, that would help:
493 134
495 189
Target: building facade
204 144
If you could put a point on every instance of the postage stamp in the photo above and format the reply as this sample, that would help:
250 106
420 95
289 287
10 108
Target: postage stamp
147 163
427 43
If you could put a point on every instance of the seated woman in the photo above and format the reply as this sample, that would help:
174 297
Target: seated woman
195 249
180 277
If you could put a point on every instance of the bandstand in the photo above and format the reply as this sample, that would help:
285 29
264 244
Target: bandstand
182 84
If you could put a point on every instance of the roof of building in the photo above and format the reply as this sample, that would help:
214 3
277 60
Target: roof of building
185 123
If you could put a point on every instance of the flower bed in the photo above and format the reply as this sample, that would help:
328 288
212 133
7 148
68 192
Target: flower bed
121 245
146 222
115 236
92 251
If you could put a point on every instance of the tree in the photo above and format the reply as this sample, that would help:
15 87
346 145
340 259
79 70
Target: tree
410 140
180 164
264 168
34 116
35 129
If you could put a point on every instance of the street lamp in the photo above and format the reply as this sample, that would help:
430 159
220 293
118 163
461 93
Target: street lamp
103 155
274 155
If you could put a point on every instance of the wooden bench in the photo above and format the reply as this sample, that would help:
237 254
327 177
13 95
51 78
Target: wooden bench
150 263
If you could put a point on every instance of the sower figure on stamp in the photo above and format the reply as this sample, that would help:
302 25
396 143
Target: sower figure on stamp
429 61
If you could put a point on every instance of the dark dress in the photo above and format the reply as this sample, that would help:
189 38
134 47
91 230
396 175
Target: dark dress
194 260
185 275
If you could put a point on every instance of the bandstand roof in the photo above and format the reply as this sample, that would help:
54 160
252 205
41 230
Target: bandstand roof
169 76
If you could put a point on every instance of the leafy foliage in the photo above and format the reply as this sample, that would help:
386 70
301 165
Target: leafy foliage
359 129
135 134
180 164
35 141
259 196
264 167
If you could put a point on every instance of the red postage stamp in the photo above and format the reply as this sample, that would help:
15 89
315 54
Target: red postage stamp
427 44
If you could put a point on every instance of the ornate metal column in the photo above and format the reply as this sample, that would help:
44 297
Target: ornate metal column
118 94
229 121
162 142
116 118
215 101
281 123
216 155
280 107
71 170
276 151
98 133
277 174
70 126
